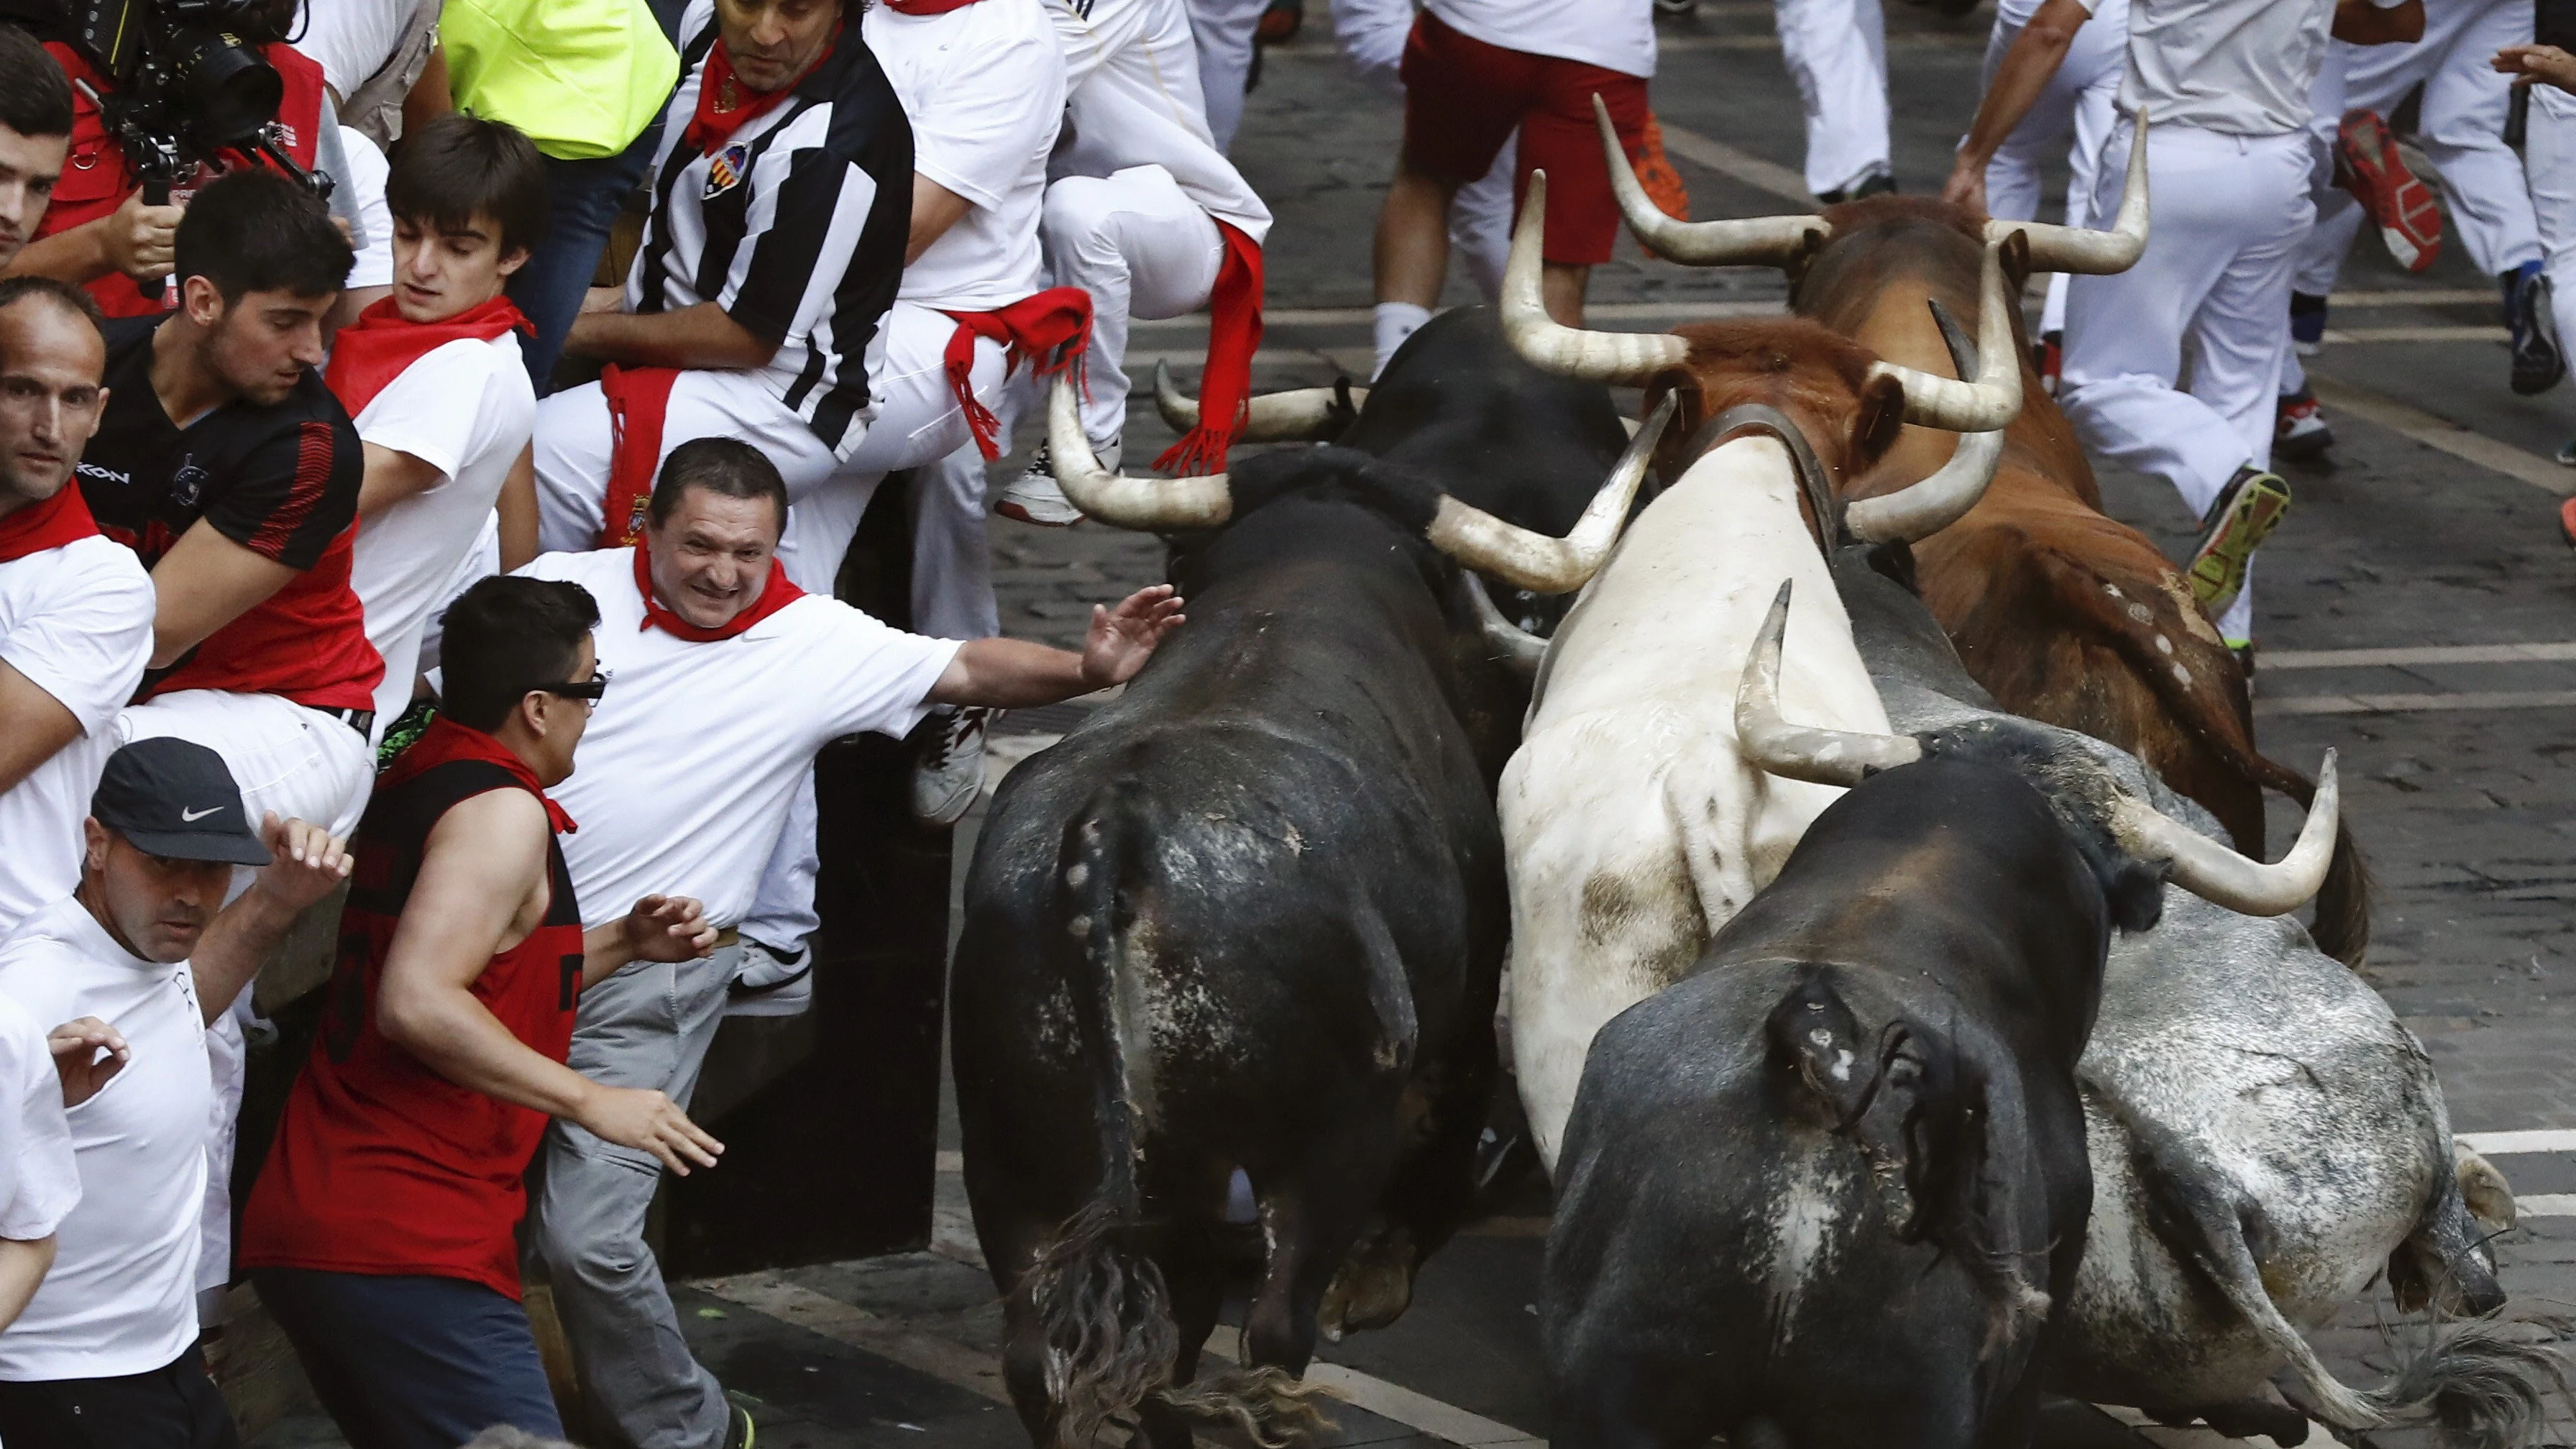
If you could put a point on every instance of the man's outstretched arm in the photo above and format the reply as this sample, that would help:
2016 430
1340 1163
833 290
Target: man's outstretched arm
2027 68
1016 674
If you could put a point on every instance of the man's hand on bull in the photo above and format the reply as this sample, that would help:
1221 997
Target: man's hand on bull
1123 638
1967 185
1016 674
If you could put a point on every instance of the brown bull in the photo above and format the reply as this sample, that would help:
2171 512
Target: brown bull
2064 614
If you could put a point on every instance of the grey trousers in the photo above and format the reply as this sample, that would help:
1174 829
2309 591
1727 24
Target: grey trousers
647 1026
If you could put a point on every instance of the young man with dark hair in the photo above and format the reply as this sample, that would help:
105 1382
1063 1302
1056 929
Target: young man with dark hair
686 787
433 378
106 1353
381 1231
35 137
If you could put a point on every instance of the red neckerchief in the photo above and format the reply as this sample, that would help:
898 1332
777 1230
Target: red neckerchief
1234 334
61 519
1051 328
637 398
446 740
711 128
926 7
373 351
775 595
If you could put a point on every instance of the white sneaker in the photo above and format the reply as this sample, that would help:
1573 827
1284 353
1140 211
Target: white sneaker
1035 496
950 773
771 981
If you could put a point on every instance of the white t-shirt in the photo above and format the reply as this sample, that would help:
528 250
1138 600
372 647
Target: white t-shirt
77 621
367 170
683 779
2014 14
983 86
1133 99
352 39
39 1181
1612 34
121 1298
466 409
2237 67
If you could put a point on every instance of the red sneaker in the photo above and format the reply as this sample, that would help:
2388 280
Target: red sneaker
2409 220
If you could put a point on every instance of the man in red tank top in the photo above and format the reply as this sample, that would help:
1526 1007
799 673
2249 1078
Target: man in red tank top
380 1233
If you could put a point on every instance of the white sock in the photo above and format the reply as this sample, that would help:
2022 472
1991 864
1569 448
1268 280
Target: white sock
1396 321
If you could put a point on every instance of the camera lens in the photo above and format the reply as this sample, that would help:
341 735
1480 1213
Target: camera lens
229 91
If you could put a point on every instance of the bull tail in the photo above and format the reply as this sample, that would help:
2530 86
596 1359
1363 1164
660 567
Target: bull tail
2190 674
1916 1102
1102 1304
2485 1386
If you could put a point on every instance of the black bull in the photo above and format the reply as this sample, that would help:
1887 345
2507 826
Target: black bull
1819 1188
1252 916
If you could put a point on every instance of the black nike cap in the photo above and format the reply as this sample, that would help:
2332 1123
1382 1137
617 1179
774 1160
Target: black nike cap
175 799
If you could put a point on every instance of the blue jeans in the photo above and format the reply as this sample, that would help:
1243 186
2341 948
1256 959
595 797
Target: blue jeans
411 1362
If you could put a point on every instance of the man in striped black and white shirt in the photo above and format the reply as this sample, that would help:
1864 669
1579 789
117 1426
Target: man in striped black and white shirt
782 195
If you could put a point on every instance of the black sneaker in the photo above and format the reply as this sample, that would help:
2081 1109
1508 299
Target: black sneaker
2247 510
2537 361
1876 183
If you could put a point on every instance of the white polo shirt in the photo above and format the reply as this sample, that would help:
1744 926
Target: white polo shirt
2237 67
983 86
466 409
77 622
683 778
121 1298
39 1181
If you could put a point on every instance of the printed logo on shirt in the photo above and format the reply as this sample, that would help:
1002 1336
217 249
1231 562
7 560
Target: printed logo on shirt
188 482
103 475
724 173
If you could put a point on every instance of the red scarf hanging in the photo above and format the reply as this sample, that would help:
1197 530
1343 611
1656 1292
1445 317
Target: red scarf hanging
637 399
1234 334
372 351
775 595
447 740
1051 328
710 128
61 519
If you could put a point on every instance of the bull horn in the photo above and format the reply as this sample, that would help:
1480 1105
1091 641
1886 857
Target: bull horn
1300 415
1762 241
1934 503
1541 341
1803 752
1994 398
2224 878
2081 249
1534 561
1518 649
1146 504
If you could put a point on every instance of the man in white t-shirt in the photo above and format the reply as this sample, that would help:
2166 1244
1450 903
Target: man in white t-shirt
76 609
433 379
1476 71
2225 85
106 1353
1144 212
41 1076
729 679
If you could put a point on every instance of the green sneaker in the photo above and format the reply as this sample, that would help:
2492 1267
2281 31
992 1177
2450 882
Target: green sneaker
2251 505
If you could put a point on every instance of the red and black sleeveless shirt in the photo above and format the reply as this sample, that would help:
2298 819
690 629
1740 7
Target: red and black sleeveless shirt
380 1165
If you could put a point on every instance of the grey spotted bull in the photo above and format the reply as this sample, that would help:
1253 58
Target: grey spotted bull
2265 1136
1828 1189
1251 916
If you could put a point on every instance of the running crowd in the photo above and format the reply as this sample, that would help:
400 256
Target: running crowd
336 520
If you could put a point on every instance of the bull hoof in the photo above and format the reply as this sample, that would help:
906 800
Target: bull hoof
1373 1287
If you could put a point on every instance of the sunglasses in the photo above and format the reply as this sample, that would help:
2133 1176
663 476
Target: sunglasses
592 689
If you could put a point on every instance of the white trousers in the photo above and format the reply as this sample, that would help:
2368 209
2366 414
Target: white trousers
2228 213
1223 31
305 765
1141 248
2549 156
2072 116
1836 51
1370 35
2462 133
573 445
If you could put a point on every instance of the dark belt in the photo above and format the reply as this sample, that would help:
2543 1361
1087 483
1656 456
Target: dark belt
361 720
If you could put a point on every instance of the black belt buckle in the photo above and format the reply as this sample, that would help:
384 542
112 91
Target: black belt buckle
361 720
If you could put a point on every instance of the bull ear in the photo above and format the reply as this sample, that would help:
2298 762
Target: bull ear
1881 420
1690 410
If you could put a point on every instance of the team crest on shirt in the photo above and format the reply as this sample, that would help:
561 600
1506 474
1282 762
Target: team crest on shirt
187 483
725 172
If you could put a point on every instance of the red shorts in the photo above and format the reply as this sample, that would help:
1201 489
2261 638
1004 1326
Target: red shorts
1463 99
